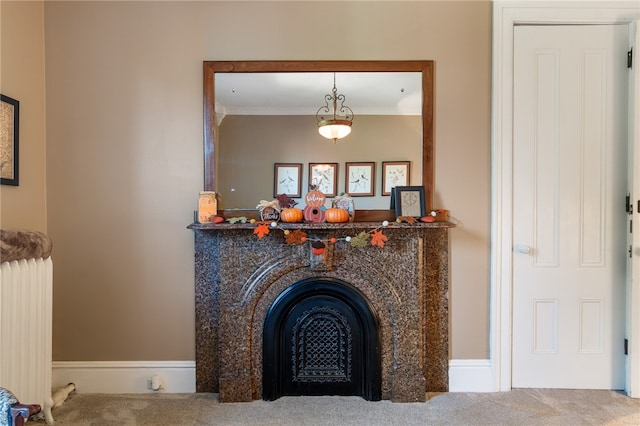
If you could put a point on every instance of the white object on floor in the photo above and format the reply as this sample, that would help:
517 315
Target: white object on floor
60 395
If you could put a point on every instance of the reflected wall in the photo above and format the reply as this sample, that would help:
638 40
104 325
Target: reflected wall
250 145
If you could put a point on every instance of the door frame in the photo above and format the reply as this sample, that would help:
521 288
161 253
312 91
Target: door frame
506 15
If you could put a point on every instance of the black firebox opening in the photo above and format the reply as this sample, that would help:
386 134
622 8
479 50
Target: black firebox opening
321 337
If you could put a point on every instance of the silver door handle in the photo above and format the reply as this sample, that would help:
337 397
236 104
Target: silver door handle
523 249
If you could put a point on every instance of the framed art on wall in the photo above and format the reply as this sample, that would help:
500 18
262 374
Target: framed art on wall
324 176
360 179
287 179
9 126
395 173
409 201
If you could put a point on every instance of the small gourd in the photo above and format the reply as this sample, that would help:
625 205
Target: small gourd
336 215
291 215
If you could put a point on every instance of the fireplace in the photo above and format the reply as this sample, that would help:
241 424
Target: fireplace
259 301
321 337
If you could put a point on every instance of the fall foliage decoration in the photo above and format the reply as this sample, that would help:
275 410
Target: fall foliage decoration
378 239
261 230
440 215
375 237
359 240
296 237
241 219
407 219
285 201
291 214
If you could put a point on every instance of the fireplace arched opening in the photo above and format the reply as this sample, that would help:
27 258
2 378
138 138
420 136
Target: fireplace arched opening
321 337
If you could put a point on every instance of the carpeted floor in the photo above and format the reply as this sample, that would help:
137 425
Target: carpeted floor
518 407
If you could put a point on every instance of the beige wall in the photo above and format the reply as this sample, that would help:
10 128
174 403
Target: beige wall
125 150
250 145
22 78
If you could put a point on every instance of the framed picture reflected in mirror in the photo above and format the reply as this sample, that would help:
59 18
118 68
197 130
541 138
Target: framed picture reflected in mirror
324 177
287 179
360 179
395 173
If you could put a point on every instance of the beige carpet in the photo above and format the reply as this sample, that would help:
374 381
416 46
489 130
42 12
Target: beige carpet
518 407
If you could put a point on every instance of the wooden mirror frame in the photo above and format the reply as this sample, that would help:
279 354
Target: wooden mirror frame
425 67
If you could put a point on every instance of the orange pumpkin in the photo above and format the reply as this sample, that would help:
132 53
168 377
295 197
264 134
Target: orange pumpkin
291 215
336 215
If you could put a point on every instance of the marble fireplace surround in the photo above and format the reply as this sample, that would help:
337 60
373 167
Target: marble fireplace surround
238 276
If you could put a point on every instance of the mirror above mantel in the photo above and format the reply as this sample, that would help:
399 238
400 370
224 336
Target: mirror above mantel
216 95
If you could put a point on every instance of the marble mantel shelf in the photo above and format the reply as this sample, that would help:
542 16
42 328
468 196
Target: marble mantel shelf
321 226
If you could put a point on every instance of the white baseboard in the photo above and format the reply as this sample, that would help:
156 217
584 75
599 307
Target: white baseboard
470 375
465 375
125 376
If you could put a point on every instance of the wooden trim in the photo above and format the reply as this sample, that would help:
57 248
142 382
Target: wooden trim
425 67
428 145
210 129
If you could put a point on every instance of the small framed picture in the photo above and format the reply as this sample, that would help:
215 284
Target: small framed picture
395 173
409 201
287 179
324 177
9 126
360 179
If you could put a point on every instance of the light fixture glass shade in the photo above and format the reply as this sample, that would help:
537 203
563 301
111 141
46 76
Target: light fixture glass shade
334 129
334 117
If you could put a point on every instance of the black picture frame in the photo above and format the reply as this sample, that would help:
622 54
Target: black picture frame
9 140
287 179
409 201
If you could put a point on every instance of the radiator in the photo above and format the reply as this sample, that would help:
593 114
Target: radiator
26 299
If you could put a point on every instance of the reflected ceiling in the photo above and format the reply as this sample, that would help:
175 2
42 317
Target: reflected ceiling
302 93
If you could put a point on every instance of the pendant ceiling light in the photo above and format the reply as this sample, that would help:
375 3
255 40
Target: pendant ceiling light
338 125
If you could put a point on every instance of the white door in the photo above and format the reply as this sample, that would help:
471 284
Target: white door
569 234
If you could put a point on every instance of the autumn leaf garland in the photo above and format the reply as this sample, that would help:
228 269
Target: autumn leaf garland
298 237
378 239
360 240
261 230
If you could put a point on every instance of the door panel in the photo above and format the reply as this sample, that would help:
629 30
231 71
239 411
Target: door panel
569 187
